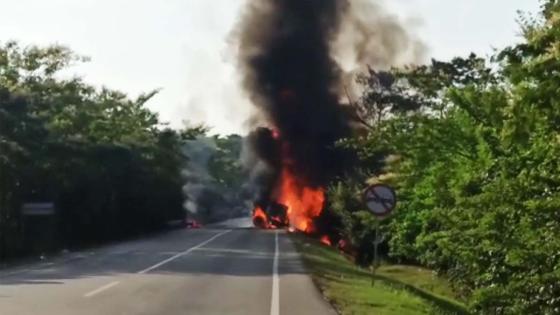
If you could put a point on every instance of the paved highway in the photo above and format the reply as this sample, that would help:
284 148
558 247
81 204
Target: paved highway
224 269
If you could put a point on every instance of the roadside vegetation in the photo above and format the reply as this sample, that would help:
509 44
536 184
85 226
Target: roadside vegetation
109 165
471 146
397 289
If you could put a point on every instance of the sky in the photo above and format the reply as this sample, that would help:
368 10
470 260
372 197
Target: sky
183 47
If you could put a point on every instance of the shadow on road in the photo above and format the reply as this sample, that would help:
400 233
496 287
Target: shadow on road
242 252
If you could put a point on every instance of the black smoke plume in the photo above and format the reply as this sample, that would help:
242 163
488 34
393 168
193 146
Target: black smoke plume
289 55
290 75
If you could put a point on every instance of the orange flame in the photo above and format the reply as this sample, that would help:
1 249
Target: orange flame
304 203
326 240
260 218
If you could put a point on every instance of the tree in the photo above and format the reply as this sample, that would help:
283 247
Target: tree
475 165
107 162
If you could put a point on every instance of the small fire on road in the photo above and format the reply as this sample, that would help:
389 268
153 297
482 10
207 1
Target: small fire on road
260 219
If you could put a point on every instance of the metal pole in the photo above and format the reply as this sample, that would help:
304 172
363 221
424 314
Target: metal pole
375 258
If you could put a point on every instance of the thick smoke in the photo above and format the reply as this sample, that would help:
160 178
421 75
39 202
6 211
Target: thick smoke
197 177
291 77
296 57
207 198
371 37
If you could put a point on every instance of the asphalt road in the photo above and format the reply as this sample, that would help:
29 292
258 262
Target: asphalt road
223 269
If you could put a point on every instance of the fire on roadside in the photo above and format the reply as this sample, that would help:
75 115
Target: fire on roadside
325 239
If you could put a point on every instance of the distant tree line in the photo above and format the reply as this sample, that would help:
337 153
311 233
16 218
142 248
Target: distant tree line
473 148
109 165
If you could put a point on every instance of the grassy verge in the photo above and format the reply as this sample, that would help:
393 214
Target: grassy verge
398 290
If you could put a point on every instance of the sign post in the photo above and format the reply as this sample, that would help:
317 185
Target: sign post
39 226
381 200
375 255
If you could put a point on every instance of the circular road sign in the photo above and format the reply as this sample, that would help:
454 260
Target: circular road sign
380 200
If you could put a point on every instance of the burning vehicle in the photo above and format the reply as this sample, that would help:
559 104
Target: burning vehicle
274 215
290 205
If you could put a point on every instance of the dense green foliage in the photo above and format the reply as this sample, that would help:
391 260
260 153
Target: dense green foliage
104 159
472 147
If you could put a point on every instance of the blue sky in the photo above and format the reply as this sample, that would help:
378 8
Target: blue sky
181 46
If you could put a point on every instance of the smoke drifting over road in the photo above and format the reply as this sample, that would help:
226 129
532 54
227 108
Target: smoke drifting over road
296 56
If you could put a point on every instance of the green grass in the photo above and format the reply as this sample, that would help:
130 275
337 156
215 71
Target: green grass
398 290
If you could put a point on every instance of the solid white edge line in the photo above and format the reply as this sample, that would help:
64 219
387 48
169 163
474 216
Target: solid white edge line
101 289
186 252
275 299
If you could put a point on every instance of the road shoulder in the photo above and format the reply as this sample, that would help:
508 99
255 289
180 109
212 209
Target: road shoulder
349 289
298 294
